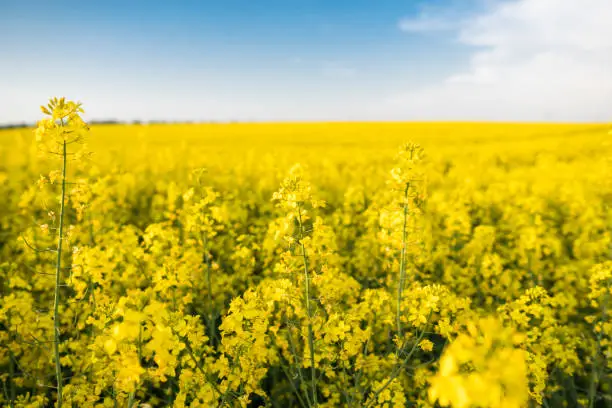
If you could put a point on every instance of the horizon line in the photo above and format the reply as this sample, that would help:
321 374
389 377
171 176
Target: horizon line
137 122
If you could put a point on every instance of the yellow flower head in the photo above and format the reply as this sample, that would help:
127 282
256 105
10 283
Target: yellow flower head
62 127
482 368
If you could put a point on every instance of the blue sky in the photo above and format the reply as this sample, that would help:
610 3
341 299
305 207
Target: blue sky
309 60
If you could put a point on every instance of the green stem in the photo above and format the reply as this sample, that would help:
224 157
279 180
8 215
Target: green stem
402 276
6 393
290 378
298 368
594 376
92 240
12 379
594 368
313 372
399 367
58 268
139 343
295 390
198 364
357 378
132 395
211 312
131 398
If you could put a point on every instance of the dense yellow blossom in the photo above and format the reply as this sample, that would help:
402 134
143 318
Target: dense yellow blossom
202 266
482 368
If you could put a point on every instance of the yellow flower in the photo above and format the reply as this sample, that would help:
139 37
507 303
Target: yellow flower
426 345
110 346
482 368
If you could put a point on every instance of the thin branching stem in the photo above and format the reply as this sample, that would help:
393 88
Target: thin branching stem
398 367
402 274
291 378
295 390
132 395
313 371
595 374
131 399
12 379
56 301
198 364
298 369
211 311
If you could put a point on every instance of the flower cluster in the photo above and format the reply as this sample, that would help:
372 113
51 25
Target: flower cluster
359 278
482 368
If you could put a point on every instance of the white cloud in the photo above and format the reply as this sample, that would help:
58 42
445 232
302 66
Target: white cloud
533 60
528 60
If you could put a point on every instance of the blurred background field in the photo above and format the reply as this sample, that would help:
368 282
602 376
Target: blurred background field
202 144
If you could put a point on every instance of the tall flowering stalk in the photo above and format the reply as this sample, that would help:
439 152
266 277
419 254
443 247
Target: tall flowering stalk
295 198
407 178
62 128
200 221
600 284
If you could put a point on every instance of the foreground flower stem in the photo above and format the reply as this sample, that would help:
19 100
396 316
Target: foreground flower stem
595 370
58 268
211 311
397 370
308 311
402 277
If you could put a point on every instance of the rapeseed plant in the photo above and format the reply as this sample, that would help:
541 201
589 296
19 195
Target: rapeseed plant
351 287
55 134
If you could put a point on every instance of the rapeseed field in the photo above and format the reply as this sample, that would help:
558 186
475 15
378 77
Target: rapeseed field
305 264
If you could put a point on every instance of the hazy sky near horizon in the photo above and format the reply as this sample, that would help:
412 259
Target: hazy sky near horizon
309 60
